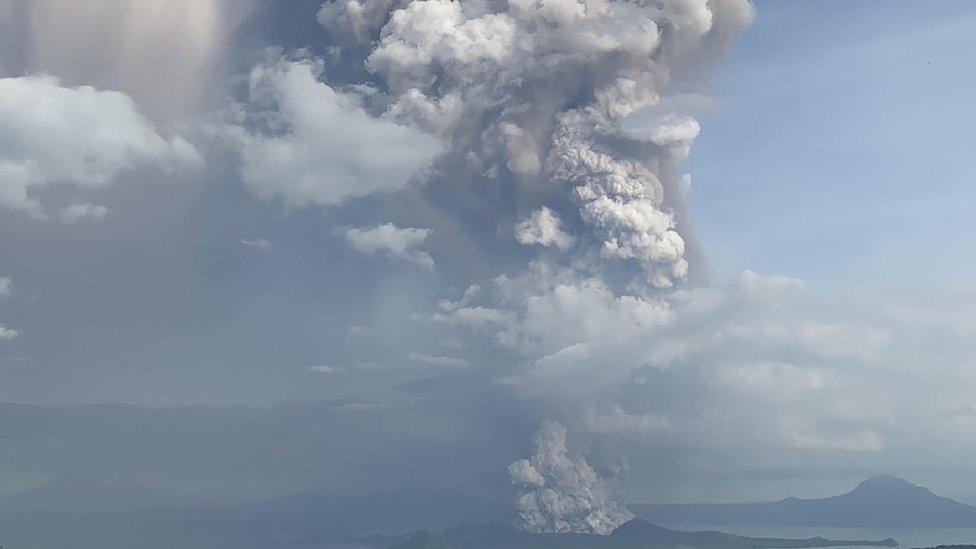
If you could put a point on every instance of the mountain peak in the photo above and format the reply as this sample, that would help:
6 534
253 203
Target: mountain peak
638 527
882 501
886 484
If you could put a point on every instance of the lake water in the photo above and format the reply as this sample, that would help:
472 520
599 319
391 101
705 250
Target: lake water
921 537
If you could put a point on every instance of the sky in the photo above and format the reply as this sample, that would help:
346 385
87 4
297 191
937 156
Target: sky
683 251
840 147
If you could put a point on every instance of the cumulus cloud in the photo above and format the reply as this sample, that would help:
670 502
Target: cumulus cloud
6 286
393 241
8 333
561 492
51 133
307 143
543 227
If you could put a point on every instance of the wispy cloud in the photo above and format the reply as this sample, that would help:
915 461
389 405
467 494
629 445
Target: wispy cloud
401 243
326 369
259 243
439 361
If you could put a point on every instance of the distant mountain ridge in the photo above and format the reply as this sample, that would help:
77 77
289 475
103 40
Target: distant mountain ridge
636 534
879 502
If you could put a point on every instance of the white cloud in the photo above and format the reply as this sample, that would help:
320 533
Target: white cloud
544 228
259 243
326 369
8 333
6 289
50 133
393 241
319 145
470 293
78 212
439 361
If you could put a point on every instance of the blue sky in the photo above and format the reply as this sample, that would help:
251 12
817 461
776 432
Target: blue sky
842 152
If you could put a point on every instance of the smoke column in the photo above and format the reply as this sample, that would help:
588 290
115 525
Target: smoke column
544 94
539 88
559 492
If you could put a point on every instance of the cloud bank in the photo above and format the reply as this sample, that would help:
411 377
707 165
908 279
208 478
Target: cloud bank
56 134
306 143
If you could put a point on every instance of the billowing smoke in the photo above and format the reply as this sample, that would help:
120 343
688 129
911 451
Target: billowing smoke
570 102
539 89
560 492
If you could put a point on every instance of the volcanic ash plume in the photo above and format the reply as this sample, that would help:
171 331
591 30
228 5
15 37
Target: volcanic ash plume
574 101
559 492
537 91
